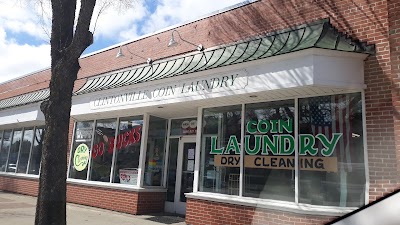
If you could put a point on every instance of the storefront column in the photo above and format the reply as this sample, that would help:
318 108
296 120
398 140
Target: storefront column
143 149
198 144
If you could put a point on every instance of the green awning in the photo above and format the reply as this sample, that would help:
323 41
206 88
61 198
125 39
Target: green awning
24 99
320 34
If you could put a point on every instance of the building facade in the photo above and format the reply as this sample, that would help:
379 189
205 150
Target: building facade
285 114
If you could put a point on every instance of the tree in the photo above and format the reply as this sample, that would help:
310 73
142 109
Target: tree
68 41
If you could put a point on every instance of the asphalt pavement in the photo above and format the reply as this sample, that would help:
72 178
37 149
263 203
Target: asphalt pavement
20 209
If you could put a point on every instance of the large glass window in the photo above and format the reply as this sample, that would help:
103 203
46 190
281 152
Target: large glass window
36 154
128 150
220 151
270 150
102 151
331 161
14 150
155 151
80 150
331 167
5 147
25 150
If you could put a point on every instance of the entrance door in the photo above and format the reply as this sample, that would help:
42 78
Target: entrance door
180 173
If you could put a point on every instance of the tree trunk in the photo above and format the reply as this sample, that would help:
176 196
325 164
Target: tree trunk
66 48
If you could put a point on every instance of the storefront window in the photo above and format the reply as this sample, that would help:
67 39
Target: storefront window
269 146
14 149
102 151
331 153
186 126
24 151
155 151
128 150
5 146
220 151
80 149
36 155
331 168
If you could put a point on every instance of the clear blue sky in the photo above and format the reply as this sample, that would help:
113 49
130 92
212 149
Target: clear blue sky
24 44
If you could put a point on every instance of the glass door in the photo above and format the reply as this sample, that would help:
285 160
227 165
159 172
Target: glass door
180 173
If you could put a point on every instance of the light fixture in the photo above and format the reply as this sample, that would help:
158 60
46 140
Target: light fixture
253 96
173 43
120 54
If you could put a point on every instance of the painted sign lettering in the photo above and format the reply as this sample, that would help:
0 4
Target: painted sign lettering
81 157
262 149
213 84
124 140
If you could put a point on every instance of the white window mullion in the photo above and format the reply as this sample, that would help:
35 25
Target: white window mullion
296 150
364 123
143 149
91 149
198 149
9 149
113 161
242 176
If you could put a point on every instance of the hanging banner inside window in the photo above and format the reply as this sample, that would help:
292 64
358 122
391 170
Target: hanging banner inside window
81 157
270 144
124 140
328 164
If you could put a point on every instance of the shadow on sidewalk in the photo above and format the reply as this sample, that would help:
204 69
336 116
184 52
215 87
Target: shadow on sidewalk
165 218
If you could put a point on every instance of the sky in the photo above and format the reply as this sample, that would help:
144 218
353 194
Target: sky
25 27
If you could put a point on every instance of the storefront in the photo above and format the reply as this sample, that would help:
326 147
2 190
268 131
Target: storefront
269 128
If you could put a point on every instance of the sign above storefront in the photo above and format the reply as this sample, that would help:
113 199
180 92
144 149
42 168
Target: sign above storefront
200 86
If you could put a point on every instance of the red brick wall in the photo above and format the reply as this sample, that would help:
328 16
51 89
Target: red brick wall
105 198
394 39
200 212
373 21
24 186
118 200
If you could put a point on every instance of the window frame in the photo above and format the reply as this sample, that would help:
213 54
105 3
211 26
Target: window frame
269 203
22 129
142 157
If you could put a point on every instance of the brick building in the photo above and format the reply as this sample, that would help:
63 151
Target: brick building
286 114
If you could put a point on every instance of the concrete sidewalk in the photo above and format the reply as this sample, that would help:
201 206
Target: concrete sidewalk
20 209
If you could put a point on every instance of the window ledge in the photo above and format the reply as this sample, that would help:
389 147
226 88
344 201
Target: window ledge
115 186
20 175
272 204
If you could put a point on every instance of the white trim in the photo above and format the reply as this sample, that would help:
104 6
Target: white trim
89 170
272 204
19 175
143 149
31 149
198 150
116 186
19 149
366 165
242 155
113 160
9 149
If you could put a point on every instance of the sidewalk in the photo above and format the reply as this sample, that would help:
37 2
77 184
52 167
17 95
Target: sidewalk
20 209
